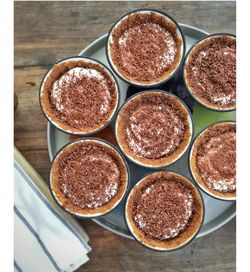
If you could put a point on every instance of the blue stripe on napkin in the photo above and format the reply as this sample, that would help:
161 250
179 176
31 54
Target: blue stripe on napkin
21 217
46 202
18 268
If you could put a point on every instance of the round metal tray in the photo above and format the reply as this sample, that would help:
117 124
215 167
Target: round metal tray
217 213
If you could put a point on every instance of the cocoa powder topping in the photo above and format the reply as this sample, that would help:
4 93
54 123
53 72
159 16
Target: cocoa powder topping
216 158
89 175
162 209
211 73
83 98
154 127
144 47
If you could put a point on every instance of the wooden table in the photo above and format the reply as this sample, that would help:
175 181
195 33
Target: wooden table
46 32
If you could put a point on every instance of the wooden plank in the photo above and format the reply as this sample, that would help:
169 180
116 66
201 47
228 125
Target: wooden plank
215 252
29 122
52 31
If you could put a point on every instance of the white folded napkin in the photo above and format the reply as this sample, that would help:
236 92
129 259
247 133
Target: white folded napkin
45 237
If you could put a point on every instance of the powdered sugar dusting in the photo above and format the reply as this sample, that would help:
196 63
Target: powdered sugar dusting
75 75
84 98
163 209
145 51
216 160
89 177
211 72
154 131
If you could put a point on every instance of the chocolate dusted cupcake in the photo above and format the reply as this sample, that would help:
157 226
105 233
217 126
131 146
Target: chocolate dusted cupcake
210 72
89 177
153 128
145 47
79 95
212 160
164 211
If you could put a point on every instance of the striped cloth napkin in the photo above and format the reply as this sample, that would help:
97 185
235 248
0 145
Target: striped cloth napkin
45 237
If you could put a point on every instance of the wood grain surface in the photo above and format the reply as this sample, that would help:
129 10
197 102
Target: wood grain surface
46 32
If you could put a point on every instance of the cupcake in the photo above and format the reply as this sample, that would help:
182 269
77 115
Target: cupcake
153 128
212 160
164 211
88 177
210 72
145 47
79 95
